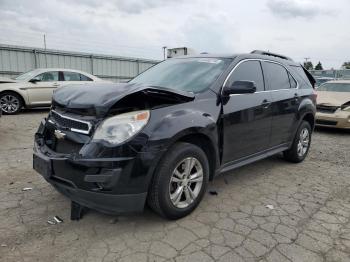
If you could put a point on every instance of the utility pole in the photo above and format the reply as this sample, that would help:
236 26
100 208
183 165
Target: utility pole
45 42
307 59
164 49
45 50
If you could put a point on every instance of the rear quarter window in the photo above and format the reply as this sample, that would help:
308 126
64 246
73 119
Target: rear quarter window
303 79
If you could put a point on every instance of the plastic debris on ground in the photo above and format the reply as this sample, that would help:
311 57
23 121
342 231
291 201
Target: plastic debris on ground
213 192
27 188
270 207
55 220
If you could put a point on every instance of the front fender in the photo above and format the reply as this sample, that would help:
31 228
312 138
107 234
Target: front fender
16 88
182 122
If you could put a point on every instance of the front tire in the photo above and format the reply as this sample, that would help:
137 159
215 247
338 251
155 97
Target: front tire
10 103
301 144
179 182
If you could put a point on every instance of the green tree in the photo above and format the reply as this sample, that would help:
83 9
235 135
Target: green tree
346 65
319 66
308 65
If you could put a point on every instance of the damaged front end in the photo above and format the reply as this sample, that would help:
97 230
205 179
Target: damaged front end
94 145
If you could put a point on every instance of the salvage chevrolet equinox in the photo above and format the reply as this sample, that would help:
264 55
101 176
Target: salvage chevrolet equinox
161 137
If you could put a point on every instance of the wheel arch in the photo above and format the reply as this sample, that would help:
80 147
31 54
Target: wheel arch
207 145
310 118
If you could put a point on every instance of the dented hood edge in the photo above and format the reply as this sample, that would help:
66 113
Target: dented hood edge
101 97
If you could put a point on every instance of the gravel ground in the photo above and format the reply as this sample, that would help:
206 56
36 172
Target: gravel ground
310 219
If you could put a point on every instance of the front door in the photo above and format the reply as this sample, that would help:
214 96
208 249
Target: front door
40 92
247 117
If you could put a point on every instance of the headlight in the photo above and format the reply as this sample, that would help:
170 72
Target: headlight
120 128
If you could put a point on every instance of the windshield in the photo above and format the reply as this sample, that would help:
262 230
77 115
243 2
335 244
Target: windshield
27 75
335 87
187 74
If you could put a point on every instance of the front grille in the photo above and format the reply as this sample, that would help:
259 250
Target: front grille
327 109
70 123
326 122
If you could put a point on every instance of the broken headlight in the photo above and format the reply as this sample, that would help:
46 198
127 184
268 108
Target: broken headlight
120 128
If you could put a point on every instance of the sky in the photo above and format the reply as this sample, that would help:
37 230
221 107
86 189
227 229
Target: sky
318 30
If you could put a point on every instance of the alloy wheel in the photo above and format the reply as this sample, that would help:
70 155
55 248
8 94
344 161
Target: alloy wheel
9 104
304 141
186 182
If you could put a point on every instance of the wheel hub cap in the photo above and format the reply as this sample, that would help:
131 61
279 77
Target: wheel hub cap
304 141
186 182
9 104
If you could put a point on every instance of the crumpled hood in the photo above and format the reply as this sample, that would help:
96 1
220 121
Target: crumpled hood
102 96
332 98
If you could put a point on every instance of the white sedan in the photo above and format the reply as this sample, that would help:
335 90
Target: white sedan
35 88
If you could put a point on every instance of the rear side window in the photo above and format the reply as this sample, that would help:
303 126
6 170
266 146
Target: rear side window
249 71
293 83
276 75
85 78
73 76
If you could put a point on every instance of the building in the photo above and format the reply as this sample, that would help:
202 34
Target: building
15 60
179 51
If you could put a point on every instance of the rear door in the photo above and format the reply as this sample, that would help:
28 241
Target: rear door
285 101
40 92
246 117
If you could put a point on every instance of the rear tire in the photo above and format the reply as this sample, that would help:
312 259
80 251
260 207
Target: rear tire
179 182
10 103
301 144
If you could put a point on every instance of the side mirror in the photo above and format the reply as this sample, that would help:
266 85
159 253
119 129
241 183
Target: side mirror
240 87
34 80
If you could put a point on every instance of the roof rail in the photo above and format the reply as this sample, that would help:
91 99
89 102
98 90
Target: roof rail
260 52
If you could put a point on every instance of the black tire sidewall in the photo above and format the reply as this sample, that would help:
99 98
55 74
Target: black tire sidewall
177 154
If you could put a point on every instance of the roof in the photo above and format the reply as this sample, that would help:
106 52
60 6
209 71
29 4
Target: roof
245 55
65 69
60 69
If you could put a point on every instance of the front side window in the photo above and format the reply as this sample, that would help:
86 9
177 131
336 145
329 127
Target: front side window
187 74
335 87
277 76
248 71
47 77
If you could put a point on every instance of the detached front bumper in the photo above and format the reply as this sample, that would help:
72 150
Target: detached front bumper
96 197
336 120
111 185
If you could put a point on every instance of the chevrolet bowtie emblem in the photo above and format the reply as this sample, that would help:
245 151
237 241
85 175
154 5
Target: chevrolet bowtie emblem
59 134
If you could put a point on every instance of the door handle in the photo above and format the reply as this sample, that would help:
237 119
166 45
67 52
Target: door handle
265 103
55 84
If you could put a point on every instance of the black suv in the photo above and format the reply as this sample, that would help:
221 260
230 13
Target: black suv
161 137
